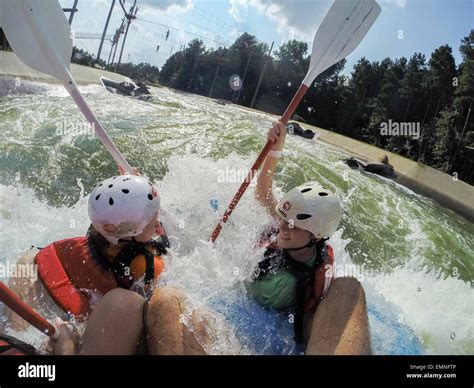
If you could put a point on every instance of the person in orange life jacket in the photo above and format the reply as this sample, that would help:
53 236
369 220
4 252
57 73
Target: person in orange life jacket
135 259
297 271
160 319
117 256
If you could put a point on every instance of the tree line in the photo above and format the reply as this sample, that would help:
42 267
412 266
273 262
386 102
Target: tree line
142 72
432 96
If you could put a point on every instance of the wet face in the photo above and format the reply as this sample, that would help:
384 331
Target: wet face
291 237
150 230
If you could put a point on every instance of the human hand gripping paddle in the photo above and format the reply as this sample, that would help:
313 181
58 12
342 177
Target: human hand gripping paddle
40 36
341 31
12 301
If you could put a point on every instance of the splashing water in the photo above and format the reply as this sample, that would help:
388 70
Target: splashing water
414 257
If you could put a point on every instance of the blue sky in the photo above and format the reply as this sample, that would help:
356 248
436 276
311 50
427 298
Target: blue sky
425 25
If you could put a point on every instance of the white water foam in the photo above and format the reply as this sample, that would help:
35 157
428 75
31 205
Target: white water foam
438 310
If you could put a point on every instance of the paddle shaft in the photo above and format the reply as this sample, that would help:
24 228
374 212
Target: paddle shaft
258 163
12 300
103 136
41 38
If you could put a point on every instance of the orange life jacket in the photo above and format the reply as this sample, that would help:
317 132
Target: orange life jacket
10 346
323 276
73 274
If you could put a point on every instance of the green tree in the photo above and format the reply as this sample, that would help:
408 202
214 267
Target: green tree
463 159
187 74
441 78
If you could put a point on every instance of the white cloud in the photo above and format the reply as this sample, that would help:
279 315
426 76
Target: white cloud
234 33
295 19
399 3
181 6
239 10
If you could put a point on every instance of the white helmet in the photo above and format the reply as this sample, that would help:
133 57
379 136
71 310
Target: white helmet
123 206
311 207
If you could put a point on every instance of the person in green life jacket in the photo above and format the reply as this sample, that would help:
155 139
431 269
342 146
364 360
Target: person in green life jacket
296 273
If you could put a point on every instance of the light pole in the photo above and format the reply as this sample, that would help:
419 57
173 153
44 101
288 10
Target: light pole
116 40
261 76
450 168
130 16
220 61
105 29
72 11
245 74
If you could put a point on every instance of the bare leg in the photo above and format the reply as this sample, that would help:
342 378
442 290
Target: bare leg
340 325
164 324
34 294
115 325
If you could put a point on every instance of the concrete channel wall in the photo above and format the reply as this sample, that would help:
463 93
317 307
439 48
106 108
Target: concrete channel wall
443 188
11 66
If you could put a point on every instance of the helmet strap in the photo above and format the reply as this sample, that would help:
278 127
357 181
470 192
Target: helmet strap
313 242
310 244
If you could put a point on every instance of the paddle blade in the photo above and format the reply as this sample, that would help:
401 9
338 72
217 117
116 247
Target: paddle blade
39 34
343 28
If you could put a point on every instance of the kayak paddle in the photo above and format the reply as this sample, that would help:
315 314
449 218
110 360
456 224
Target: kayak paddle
341 31
13 301
41 37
